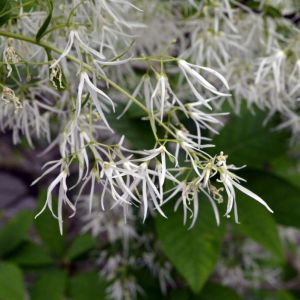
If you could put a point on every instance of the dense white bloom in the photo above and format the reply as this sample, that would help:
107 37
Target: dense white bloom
272 65
23 117
173 81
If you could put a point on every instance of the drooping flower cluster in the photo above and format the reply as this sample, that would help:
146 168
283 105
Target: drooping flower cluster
171 65
83 66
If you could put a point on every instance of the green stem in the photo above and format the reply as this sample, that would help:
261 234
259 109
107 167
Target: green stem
72 58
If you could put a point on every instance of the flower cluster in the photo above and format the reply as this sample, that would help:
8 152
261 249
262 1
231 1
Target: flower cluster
178 167
73 83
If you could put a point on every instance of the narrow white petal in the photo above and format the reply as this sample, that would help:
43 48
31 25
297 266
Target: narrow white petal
66 50
252 195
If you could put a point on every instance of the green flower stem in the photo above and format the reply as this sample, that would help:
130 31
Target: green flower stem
48 47
72 58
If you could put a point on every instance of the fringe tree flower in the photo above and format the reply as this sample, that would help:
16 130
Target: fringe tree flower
230 182
94 92
99 35
74 35
191 75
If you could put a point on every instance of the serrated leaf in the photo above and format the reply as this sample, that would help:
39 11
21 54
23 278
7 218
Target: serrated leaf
46 226
193 252
257 223
30 255
86 286
81 245
15 232
47 21
51 286
11 282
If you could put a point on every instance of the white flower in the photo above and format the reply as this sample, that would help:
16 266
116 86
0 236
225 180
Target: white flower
60 181
159 96
149 190
209 171
163 98
191 148
272 65
203 119
161 166
72 36
191 75
189 198
230 182
23 117
114 183
94 92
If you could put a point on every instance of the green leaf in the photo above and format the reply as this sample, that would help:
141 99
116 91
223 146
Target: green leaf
193 252
30 255
136 131
180 295
11 282
80 246
281 195
287 168
258 224
150 286
6 11
244 140
217 292
210 291
51 286
272 11
15 232
47 228
47 21
87 286
272 295
9 9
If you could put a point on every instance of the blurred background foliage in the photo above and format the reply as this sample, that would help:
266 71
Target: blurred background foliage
37 261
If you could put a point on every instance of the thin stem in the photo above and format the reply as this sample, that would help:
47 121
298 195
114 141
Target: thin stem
72 58
87 67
